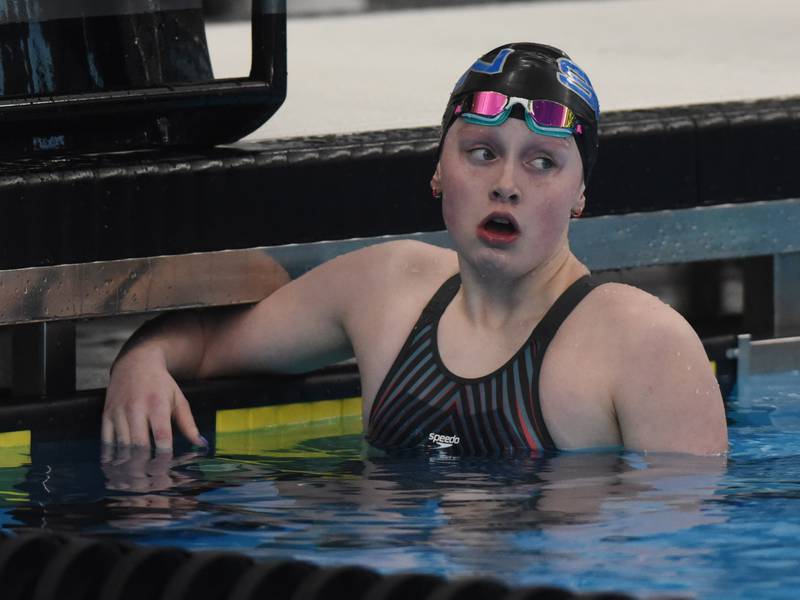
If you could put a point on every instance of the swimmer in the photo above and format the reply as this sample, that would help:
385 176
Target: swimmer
503 343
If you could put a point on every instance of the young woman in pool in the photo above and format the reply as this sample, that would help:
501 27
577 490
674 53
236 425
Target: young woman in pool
504 343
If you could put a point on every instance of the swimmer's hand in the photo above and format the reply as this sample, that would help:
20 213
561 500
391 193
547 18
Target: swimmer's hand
142 397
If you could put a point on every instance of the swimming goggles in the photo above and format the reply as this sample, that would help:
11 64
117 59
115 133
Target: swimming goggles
545 117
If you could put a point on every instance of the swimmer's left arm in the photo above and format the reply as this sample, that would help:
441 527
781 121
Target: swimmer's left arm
665 395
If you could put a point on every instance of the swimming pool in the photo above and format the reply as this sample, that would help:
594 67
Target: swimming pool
645 525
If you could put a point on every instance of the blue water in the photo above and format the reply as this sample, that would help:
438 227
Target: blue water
643 524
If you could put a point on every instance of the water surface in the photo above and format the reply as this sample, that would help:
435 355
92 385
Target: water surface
643 524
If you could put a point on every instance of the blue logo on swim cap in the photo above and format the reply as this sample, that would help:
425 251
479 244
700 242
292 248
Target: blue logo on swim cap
572 77
487 68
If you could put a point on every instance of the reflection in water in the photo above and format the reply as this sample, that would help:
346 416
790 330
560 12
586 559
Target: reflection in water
138 469
328 500
474 498
144 474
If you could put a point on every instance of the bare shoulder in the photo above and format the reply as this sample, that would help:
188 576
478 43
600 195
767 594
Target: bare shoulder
391 281
401 257
634 312
639 320
366 274
395 265
640 330
665 394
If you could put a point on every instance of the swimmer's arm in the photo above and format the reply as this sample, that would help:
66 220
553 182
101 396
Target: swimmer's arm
300 327
666 397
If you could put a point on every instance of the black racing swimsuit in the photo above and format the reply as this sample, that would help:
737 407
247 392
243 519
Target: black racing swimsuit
421 403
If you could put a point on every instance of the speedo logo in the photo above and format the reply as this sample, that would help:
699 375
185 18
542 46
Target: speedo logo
443 441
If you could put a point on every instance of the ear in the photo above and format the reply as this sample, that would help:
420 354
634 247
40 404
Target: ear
576 210
436 180
580 204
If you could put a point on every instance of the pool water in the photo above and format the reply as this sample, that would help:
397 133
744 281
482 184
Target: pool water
643 524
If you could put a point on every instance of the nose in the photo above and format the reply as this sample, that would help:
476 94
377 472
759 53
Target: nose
505 188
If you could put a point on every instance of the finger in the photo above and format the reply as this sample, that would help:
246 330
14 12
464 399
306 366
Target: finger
185 420
121 429
161 425
107 430
139 427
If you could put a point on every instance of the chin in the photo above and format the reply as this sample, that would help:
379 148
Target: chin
496 262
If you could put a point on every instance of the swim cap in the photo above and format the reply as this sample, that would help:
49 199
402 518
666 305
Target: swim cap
535 72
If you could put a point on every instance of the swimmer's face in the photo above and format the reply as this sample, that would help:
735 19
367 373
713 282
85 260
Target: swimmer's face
507 194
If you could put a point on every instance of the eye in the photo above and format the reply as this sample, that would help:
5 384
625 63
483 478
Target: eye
481 154
543 163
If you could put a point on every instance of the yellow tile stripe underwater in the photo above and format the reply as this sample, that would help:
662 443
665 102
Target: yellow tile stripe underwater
263 430
301 413
15 448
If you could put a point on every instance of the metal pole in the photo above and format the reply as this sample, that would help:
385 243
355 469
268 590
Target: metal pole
43 358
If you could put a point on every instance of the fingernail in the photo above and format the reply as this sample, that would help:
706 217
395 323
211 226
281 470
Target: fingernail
203 441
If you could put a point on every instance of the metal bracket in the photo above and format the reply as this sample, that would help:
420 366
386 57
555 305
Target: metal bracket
786 296
765 356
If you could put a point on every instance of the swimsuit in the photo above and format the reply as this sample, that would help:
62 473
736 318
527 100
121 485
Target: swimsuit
420 402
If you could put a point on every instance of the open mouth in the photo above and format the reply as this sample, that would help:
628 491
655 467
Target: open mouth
498 228
500 225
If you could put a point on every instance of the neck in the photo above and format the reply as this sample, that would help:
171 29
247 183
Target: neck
499 300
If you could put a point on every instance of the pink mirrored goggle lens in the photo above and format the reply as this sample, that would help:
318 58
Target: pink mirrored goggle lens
487 104
552 114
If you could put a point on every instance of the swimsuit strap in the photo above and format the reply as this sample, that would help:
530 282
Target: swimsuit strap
430 314
440 301
546 330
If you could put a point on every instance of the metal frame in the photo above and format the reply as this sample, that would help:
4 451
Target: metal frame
207 113
159 283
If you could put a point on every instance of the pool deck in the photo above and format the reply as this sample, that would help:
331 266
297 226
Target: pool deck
388 70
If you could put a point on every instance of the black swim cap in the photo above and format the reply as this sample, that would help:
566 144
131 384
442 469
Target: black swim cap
535 72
